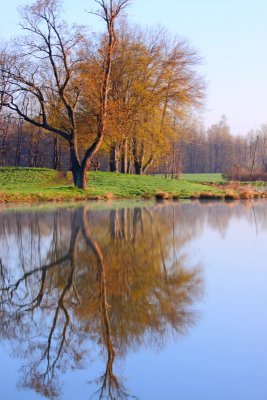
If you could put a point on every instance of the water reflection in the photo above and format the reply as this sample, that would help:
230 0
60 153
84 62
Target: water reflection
73 279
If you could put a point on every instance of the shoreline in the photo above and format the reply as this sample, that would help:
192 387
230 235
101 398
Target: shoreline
43 198
28 186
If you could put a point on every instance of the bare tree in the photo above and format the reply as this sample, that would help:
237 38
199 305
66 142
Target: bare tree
39 75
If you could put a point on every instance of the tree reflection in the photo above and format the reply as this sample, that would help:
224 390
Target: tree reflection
115 279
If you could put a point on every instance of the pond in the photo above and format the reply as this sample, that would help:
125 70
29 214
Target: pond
145 300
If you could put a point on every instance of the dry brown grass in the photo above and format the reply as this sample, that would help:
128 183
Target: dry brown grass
231 195
162 196
109 196
211 195
252 194
239 191
244 194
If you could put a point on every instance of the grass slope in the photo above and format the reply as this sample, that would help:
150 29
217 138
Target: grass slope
36 184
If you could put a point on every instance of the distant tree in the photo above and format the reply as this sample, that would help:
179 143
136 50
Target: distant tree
263 146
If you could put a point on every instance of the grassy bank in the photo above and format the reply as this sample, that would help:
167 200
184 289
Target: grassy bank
36 184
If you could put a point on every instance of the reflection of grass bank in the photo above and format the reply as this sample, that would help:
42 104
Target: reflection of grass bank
30 185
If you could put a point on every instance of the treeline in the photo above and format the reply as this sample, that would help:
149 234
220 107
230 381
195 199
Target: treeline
192 150
218 150
22 145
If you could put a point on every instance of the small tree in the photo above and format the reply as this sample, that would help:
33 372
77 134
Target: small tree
40 80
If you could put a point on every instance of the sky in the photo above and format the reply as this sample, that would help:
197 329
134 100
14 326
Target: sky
230 36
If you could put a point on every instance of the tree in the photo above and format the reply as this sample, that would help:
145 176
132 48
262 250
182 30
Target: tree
40 78
154 83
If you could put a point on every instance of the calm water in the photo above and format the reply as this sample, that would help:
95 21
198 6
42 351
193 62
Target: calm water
161 301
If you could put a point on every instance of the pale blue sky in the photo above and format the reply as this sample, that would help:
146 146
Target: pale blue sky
231 36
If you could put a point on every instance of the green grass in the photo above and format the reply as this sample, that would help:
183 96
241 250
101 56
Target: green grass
11 178
132 185
37 184
198 178
204 178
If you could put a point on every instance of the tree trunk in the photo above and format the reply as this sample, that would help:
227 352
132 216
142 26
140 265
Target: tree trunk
113 161
254 155
18 145
3 152
138 158
56 160
138 168
129 166
36 152
148 165
80 176
124 157
78 170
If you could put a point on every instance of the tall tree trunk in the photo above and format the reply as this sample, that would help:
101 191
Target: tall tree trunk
138 168
113 160
56 160
18 145
77 173
147 165
4 151
129 165
138 157
129 158
36 152
30 150
254 155
124 157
